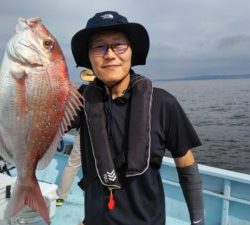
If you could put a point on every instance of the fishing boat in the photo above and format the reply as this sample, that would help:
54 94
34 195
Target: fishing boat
226 195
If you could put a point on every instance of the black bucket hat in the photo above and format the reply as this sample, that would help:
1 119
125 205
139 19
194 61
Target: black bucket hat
110 20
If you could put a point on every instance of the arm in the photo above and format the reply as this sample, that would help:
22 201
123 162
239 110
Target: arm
191 185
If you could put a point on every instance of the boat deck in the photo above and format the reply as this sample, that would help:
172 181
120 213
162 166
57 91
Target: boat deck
226 195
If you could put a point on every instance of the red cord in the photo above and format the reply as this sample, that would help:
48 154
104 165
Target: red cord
111 203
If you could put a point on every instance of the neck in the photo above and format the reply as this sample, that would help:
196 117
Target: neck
118 89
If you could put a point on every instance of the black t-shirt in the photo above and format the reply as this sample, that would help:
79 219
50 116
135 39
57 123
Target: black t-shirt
141 200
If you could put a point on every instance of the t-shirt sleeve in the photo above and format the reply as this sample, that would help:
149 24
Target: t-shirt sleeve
180 135
77 120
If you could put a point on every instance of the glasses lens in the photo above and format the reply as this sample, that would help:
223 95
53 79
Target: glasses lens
120 48
99 50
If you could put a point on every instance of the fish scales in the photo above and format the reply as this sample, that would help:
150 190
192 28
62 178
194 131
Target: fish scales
36 100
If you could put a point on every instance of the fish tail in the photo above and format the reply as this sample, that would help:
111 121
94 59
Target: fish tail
27 195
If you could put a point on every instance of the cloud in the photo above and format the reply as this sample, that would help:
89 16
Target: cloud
188 37
232 41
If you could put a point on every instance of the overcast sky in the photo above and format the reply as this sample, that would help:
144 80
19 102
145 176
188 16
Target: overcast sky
188 37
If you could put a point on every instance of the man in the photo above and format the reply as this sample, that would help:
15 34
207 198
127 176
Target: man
125 127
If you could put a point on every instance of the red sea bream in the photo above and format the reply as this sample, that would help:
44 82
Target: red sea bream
37 103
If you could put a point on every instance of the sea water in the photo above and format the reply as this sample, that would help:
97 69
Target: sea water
220 113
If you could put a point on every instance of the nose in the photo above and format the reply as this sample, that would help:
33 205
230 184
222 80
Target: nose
110 53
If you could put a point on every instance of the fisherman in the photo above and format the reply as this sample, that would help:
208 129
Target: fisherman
125 127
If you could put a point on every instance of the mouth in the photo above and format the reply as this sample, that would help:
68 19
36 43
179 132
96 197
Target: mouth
110 66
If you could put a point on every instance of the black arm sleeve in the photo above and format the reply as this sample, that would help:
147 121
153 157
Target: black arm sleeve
191 184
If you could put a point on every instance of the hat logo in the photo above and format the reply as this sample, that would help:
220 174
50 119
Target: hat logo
107 16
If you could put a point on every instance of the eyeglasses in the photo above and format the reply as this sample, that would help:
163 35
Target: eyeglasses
101 49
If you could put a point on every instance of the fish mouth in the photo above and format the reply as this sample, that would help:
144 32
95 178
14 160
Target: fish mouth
33 21
25 23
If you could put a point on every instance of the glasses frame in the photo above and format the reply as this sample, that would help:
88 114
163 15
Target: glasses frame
102 49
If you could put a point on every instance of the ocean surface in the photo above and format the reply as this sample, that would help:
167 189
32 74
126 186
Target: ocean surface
220 113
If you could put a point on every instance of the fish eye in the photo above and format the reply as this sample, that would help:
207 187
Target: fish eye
48 44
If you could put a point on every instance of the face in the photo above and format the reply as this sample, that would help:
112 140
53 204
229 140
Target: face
114 64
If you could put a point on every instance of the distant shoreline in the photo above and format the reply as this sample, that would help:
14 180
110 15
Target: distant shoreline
205 77
208 77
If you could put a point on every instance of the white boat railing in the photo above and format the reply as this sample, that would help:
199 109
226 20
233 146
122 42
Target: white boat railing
226 194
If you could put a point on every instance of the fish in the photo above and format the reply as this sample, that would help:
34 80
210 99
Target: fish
37 105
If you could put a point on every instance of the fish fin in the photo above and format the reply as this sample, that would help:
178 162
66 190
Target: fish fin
74 103
27 195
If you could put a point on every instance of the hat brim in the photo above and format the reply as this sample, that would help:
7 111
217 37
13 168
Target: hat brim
136 33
